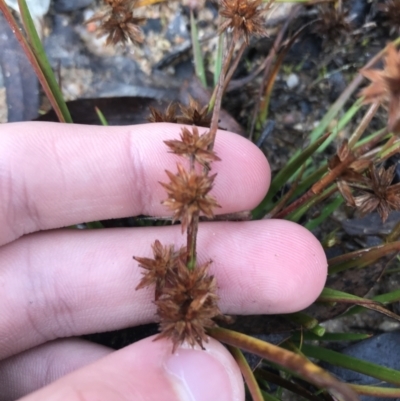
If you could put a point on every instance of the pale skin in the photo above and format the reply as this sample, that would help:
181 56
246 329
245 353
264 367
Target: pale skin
57 284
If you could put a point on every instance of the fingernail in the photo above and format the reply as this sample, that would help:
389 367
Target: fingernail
198 375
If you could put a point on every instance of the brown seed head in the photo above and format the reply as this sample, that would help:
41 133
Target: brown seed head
118 23
194 146
188 305
187 195
194 114
385 87
156 116
333 24
376 192
245 17
156 269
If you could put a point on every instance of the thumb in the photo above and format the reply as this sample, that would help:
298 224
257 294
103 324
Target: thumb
147 371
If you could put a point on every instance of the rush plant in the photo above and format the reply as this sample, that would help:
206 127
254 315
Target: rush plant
185 294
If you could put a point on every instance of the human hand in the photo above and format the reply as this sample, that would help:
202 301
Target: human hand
60 283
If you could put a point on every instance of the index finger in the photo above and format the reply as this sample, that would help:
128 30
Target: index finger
55 175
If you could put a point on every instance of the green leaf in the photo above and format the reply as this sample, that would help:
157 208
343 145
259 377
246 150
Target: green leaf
295 363
330 295
197 53
332 337
325 213
306 321
219 58
268 396
247 373
362 257
384 299
375 391
38 50
102 119
340 126
297 214
348 362
94 225
296 388
330 115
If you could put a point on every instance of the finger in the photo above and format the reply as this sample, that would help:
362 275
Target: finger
33 369
148 371
55 175
75 282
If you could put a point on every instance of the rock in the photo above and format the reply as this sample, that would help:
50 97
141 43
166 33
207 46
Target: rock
177 29
292 81
66 6
37 8
382 349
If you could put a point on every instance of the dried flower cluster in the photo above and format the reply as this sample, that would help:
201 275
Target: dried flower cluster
333 24
186 298
385 87
243 17
375 192
365 186
193 114
118 22
188 195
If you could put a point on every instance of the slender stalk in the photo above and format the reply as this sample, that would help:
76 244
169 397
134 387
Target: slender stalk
41 57
192 241
319 186
387 145
234 65
363 124
219 88
289 360
268 64
31 57
394 234
215 104
247 373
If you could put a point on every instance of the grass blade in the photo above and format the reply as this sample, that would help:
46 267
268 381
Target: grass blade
247 373
296 363
308 336
374 391
284 176
58 101
384 299
197 54
219 58
284 383
30 56
325 213
348 362
362 257
100 114
305 321
330 295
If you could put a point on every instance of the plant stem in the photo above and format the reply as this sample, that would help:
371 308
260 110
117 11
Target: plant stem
363 124
289 360
247 373
31 57
234 66
216 98
191 242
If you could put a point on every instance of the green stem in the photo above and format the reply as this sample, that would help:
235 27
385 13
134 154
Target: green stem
32 59
247 373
